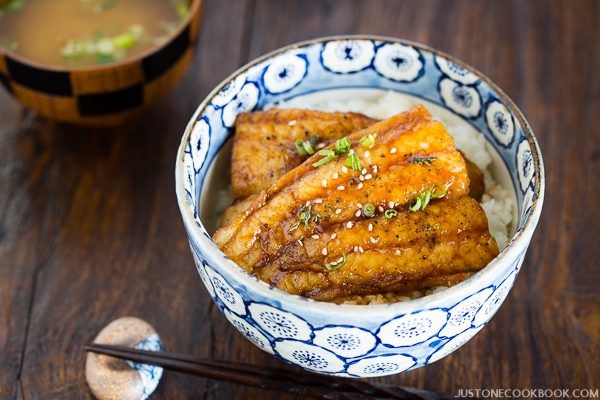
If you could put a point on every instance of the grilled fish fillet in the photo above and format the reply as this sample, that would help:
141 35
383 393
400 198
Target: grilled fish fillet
446 242
263 144
263 148
439 246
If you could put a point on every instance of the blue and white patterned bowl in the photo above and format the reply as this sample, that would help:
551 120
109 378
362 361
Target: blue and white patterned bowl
359 340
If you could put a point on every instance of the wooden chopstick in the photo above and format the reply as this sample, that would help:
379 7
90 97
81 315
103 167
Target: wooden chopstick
298 382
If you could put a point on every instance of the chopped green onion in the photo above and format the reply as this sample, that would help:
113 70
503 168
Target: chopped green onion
313 139
390 213
104 49
72 50
330 208
416 206
328 155
125 41
422 200
137 30
332 266
304 147
422 160
442 193
316 217
368 210
305 214
308 147
8 6
8 43
342 146
104 58
105 46
353 161
182 8
294 226
368 141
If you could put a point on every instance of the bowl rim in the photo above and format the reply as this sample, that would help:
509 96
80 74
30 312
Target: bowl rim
195 7
517 243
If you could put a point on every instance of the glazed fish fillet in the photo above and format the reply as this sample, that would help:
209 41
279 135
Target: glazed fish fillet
263 144
339 250
264 150
439 246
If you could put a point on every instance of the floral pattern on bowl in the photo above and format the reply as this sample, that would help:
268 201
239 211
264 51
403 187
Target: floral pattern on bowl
346 340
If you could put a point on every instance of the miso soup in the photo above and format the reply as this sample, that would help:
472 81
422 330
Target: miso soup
78 33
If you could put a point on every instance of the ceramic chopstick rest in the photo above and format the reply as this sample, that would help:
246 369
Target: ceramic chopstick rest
110 378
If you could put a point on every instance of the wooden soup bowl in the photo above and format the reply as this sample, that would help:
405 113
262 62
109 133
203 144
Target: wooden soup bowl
104 95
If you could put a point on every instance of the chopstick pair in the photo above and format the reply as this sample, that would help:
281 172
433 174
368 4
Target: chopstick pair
297 382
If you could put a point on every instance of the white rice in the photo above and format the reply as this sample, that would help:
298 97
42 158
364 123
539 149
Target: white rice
497 202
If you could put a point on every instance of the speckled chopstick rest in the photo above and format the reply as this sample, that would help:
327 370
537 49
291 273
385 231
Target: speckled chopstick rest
110 378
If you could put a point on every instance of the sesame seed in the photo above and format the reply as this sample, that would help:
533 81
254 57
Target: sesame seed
333 236
300 242
344 169
316 237
363 171
370 227
374 169
360 186
357 214
361 177
367 154
338 211
360 249
324 251
349 224
380 209
324 182
292 122
391 204
340 259
398 252
393 150
368 176
341 187
317 201
335 175
356 249
320 145
373 240
358 205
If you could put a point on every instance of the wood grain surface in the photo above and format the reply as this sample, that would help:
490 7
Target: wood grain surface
90 229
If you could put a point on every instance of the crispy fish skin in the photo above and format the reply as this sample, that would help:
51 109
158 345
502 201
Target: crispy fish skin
445 243
263 144
255 237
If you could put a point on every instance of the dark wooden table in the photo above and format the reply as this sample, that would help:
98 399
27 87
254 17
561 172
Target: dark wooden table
90 229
